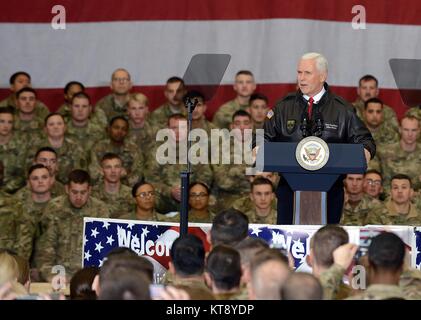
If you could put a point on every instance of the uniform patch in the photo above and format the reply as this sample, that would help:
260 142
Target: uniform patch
291 126
270 114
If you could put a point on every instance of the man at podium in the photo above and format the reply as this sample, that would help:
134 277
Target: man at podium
313 110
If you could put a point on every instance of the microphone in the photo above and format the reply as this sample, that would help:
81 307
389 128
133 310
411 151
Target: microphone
304 124
319 124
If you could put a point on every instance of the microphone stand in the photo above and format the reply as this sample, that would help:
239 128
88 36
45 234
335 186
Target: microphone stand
185 175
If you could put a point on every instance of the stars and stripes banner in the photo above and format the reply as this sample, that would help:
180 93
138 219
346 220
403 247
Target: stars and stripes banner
416 256
154 239
156 39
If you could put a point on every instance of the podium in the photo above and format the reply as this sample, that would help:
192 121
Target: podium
310 187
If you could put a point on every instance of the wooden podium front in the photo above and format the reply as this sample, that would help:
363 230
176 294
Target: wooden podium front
310 208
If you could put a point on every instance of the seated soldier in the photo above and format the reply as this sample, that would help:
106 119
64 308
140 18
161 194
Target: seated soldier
34 202
231 181
398 210
223 272
269 270
385 264
144 196
168 159
258 109
262 195
373 184
70 89
302 286
330 256
382 133
199 203
110 190
174 93
141 131
70 155
18 81
357 204
129 153
244 86
26 120
62 225
13 146
186 268
82 127
115 104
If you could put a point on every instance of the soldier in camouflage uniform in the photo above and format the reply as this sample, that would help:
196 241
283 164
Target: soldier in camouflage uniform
244 86
199 194
34 203
415 112
258 109
81 128
410 283
262 195
166 162
382 133
373 185
62 225
398 210
231 181
385 262
18 81
115 104
70 155
129 153
357 204
145 198
141 131
26 121
368 88
174 93
110 190
70 89
12 152
401 157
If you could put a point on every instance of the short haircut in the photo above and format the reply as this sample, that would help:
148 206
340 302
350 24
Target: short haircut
175 79
249 247
36 167
261 181
375 172
80 95
258 96
126 259
139 97
244 72
79 176
266 255
188 255
25 89
302 286
176 116
240 113
321 61
137 185
326 240
45 149
73 83
13 77
368 77
229 227
114 119
7 110
52 114
120 69
224 267
401 176
386 252
410 117
194 94
81 284
372 100
204 185
110 156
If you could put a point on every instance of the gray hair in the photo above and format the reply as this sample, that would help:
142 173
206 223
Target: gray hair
321 61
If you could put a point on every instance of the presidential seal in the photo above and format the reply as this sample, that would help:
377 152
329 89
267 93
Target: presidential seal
312 153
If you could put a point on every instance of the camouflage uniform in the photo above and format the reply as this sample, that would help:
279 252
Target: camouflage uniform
131 156
205 125
394 160
245 204
70 156
32 129
118 204
13 157
223 117
164 177
355 216
10 213
111 108
333 286
41 110
379 292
61 240
193 286
97 117
159 117
56 191
387 214
410 283
255 218
193 217
156 216
390 118
384 135
144 137
86 136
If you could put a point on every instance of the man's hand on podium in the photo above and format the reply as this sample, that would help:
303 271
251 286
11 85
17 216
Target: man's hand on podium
367 156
